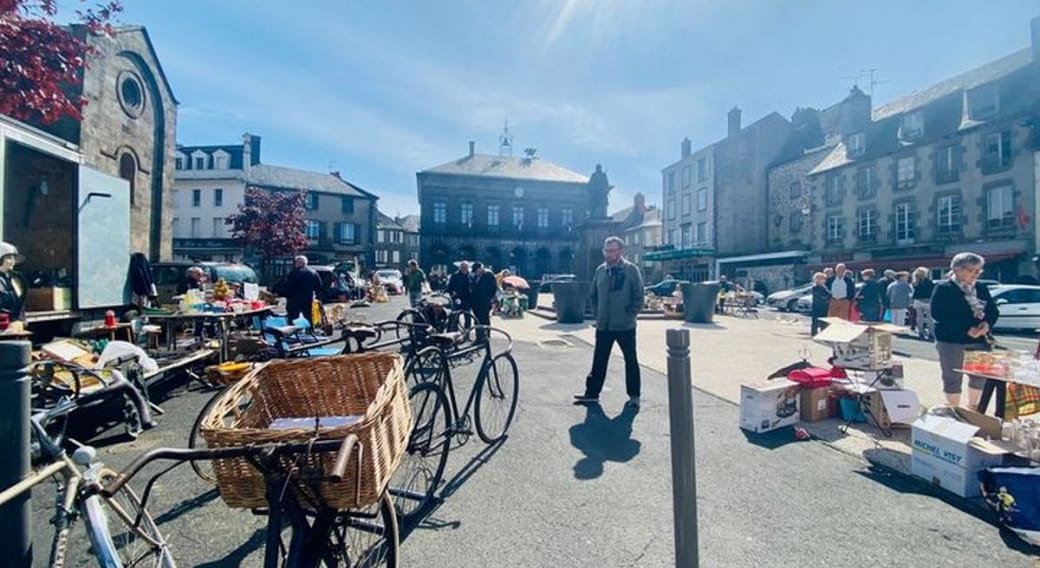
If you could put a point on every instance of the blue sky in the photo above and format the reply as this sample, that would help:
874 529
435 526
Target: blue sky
383 89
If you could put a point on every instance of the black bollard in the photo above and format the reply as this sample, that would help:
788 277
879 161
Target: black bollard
680 418
15 524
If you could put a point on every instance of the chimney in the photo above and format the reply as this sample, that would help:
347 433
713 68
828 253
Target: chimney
472 148
247 153
639 202
1035 25
336 174
855 112
734 122
685 148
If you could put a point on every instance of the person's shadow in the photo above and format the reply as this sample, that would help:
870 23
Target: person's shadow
603 439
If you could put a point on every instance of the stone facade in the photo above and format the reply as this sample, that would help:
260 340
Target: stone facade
211 184
791 219
129 130
741 161
499 211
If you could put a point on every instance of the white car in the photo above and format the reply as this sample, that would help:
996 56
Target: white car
392 280
1019 306
787 299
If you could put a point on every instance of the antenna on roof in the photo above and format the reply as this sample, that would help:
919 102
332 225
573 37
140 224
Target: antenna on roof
871 79
505 141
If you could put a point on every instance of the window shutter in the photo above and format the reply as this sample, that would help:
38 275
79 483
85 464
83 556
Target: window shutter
339 233
1005 148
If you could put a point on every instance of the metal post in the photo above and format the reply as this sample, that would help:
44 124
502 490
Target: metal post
15 524
684 478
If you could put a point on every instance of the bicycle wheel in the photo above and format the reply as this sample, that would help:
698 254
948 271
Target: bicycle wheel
121 532
365 538
419 474
496 398
428 365
462 321
409 316
204 468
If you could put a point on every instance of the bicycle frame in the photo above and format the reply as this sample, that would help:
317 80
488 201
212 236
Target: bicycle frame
480 345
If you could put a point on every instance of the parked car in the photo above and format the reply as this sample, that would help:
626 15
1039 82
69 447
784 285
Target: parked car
664 287
331 287
1019 306
392 280
787 299
171 278
549 279
804 302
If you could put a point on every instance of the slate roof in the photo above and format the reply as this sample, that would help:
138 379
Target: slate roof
386 222
289 178
943 107
410 223
968 80
508 167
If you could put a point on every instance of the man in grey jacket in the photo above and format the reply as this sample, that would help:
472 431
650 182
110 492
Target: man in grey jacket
617 294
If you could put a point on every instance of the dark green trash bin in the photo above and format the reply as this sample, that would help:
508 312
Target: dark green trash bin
532 297
699 301
569 299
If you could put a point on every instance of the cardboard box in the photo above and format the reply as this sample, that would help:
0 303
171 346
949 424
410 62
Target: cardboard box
817 404
859 346
768 405
949 449
48 299
893 408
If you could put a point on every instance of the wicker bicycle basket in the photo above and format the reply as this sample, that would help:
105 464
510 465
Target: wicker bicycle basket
368 387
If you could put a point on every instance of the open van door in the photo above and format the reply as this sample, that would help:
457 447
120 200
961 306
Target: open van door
102 240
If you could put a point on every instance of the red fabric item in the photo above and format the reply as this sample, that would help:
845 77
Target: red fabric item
838 373
853 313
811 377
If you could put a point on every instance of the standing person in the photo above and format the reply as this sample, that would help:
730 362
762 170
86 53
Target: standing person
828 272
821 298
842 288
414 277
922 299
964 313
460 287
617 295
301 284
483 296
899 294
883 282
725 287
868 300
12 297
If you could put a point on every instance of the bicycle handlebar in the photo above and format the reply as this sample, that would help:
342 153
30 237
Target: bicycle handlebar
344 446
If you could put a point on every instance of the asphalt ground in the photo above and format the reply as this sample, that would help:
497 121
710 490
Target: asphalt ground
591 486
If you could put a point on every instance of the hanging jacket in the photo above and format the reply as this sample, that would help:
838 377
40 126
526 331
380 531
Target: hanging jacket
142 282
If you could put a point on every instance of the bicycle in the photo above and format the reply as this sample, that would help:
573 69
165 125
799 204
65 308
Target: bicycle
436 418
320 534
119 529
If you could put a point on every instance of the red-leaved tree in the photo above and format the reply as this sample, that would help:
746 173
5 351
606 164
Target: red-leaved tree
270 223
40 59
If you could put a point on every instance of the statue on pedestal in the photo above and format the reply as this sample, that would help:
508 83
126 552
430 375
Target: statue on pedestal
599 189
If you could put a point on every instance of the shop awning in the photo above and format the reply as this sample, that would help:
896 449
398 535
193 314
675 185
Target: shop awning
675 254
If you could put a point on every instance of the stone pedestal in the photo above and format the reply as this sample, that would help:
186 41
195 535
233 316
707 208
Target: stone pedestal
590 245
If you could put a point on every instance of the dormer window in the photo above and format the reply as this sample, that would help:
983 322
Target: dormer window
199 160
983 102
179 161
912 126
856 145
221 160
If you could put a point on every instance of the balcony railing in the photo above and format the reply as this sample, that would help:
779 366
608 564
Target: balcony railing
498 231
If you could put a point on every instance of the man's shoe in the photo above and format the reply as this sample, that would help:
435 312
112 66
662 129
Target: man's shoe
582 398
633 401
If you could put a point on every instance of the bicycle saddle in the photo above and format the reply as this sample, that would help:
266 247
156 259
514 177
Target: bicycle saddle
446 339
361 333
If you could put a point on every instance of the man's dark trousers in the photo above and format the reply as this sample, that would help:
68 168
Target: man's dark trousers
604 343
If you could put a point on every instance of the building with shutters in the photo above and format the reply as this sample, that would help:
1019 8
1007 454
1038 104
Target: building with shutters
211 183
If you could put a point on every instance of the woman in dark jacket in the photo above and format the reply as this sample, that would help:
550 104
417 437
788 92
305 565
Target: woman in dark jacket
868 299
821 299
964 314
